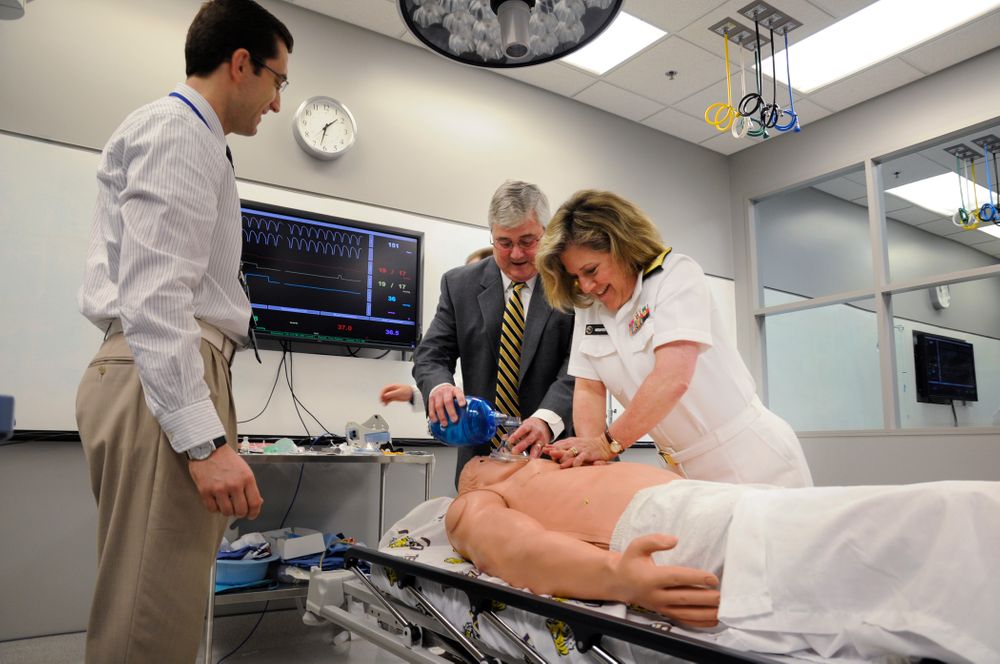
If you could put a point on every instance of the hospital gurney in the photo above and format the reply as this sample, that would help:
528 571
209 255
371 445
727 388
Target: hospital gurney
419 611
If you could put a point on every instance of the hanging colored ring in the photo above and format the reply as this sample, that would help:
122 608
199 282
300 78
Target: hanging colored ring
723 116
988 212
793 123
741 126
759 130
769 115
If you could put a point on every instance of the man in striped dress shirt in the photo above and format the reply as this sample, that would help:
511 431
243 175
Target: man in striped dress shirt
155 408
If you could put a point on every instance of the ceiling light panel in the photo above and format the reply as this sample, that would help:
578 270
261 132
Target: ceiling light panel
874 34
625 37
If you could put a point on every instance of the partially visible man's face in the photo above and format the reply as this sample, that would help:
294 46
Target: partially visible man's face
262 94
514 249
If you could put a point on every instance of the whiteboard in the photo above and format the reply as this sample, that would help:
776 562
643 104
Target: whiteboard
47 193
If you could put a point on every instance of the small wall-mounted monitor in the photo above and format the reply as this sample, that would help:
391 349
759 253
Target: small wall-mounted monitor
330 281
945 369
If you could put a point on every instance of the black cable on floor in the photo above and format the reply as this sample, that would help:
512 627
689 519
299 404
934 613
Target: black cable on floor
247 637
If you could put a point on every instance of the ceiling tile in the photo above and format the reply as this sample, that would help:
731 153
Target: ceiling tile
953 47
842 188
726 144
696 104
681 125
909 168
645 73
892 203
670 16
382 17
942 227
866 84
618 101
553 76
841 8
972 237
811 18
915 215
807 111
992 248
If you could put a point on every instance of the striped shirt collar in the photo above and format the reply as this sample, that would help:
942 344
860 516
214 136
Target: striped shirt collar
206 110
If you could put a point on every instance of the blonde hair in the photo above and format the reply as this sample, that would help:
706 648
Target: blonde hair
479 254
599 221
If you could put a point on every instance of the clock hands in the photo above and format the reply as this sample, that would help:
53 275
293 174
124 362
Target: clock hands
327 126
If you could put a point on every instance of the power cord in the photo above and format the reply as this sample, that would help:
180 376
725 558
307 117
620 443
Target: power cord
247 638
277 374
290 379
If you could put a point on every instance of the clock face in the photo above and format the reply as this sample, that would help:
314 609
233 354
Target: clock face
324 127
941 297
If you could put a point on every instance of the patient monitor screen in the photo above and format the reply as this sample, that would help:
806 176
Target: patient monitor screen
327 280
945 369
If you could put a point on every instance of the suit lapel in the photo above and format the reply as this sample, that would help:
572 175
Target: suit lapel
538 315
491 306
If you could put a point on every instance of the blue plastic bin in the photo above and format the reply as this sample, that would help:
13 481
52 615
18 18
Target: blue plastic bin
233 572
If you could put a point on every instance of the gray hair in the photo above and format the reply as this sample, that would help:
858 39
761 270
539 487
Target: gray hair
515 201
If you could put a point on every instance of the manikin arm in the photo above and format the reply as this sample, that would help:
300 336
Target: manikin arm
515 547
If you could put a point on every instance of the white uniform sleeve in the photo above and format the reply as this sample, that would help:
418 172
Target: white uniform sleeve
682 309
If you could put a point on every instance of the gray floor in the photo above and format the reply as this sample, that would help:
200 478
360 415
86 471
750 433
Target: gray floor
281 637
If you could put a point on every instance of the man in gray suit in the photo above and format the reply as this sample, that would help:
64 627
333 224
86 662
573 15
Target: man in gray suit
468 324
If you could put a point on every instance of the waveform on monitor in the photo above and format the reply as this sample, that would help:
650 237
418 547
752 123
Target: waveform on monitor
302 237
318 247
325 234
262 237
261 223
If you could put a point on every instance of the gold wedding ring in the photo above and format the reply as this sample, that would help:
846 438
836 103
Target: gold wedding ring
574 451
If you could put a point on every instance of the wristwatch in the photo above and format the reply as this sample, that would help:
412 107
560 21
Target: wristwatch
616 447
205 450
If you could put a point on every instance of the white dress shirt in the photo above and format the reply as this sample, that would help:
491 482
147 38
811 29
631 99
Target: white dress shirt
165 250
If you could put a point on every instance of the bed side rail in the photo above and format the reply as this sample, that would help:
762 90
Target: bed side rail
588 626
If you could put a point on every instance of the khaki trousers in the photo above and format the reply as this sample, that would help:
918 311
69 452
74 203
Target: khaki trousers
156 542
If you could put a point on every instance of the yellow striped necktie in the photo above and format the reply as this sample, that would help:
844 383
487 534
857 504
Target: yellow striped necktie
509 365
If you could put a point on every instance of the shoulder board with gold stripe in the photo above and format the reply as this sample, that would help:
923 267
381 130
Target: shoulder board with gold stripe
656 265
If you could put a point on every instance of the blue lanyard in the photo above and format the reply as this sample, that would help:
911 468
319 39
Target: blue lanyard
191 106
229 155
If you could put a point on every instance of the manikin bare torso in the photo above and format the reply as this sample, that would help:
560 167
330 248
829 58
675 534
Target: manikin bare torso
584 502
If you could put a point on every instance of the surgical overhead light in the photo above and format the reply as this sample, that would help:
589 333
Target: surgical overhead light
11 9
507 33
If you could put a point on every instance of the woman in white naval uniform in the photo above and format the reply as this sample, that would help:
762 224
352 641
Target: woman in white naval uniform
649 331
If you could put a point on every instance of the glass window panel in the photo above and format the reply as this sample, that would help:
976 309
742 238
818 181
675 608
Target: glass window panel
814 241
922 191
823 367
948 335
